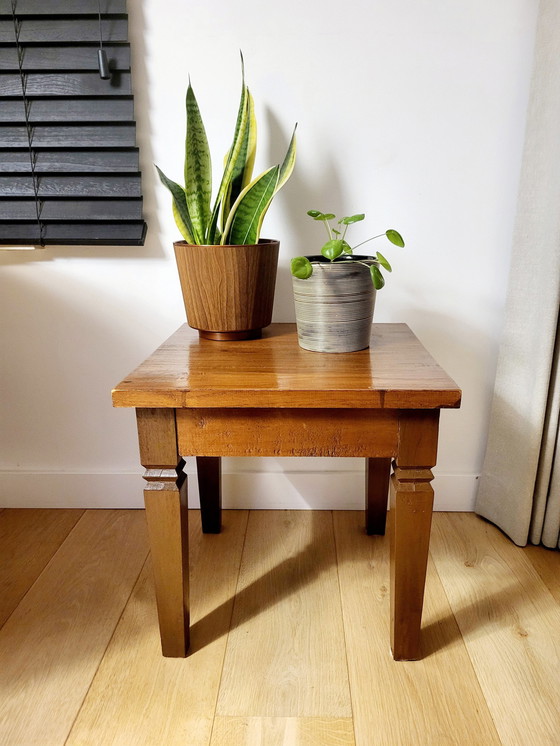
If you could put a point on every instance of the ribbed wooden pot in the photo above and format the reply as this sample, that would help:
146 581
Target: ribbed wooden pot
228 291
334 307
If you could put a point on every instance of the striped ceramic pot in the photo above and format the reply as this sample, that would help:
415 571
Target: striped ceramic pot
334 307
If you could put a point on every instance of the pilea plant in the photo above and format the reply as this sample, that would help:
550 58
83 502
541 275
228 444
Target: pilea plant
241 202
337 245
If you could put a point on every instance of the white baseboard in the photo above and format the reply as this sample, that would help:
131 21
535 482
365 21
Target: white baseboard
300 490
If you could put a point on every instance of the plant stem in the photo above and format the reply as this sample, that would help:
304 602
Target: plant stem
328 227
366 241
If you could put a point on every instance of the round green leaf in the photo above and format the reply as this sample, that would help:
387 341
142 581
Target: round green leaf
327 216
315 214
383 262
376 277
301 267
395 237
346 247
352 219
333 248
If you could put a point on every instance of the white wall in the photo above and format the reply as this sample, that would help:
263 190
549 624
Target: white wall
412 111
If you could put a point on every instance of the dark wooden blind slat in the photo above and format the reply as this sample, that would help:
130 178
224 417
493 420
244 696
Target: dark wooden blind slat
75 110
89 161
69 210
68 156
130 233
103 136
62 7
34 30
64 58
68 84
77 185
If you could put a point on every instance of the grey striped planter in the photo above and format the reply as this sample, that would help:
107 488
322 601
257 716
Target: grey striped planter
334 307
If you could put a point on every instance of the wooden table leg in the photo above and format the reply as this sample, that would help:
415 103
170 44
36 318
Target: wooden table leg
165 498
209 471
411 519
378 471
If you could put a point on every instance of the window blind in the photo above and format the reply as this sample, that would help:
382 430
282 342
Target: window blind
69 167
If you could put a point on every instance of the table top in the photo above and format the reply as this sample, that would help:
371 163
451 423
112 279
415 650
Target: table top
396 372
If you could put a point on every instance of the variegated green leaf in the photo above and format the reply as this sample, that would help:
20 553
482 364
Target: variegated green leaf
285 172
198 169
242 173
289 162
247 213
180 209
238 139
180 223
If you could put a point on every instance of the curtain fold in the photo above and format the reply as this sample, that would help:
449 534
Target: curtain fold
520 484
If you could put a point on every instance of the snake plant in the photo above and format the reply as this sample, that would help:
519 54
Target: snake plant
236 216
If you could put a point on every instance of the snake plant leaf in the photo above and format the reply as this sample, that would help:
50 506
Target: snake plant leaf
233 155
288 163
383 262
352 219
198 169
333 248
284 173
247 213
180 209
250 142
376 277
395 237
242 172
301 267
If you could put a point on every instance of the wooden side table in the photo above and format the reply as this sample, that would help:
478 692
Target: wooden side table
269 397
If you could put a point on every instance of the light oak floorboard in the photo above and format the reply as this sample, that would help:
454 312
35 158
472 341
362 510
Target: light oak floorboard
510 623
547 563
232 731
285 654
52 644
28 540
436 700
486 597
139 697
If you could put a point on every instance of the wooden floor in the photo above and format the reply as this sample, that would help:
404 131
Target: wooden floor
290 636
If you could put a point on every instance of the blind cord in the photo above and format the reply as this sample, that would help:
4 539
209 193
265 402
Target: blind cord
28 126
102 61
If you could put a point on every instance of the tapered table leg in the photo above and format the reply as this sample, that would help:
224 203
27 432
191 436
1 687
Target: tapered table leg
411 519
165 497
378 471
210 488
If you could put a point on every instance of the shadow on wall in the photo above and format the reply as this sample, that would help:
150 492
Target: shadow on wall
300 194
460 349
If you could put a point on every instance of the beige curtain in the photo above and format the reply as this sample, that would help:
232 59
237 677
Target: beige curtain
520 484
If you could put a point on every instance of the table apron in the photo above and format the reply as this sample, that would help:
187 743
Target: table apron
287 432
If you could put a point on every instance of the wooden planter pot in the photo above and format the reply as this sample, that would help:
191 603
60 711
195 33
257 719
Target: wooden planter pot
334 307
228 291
